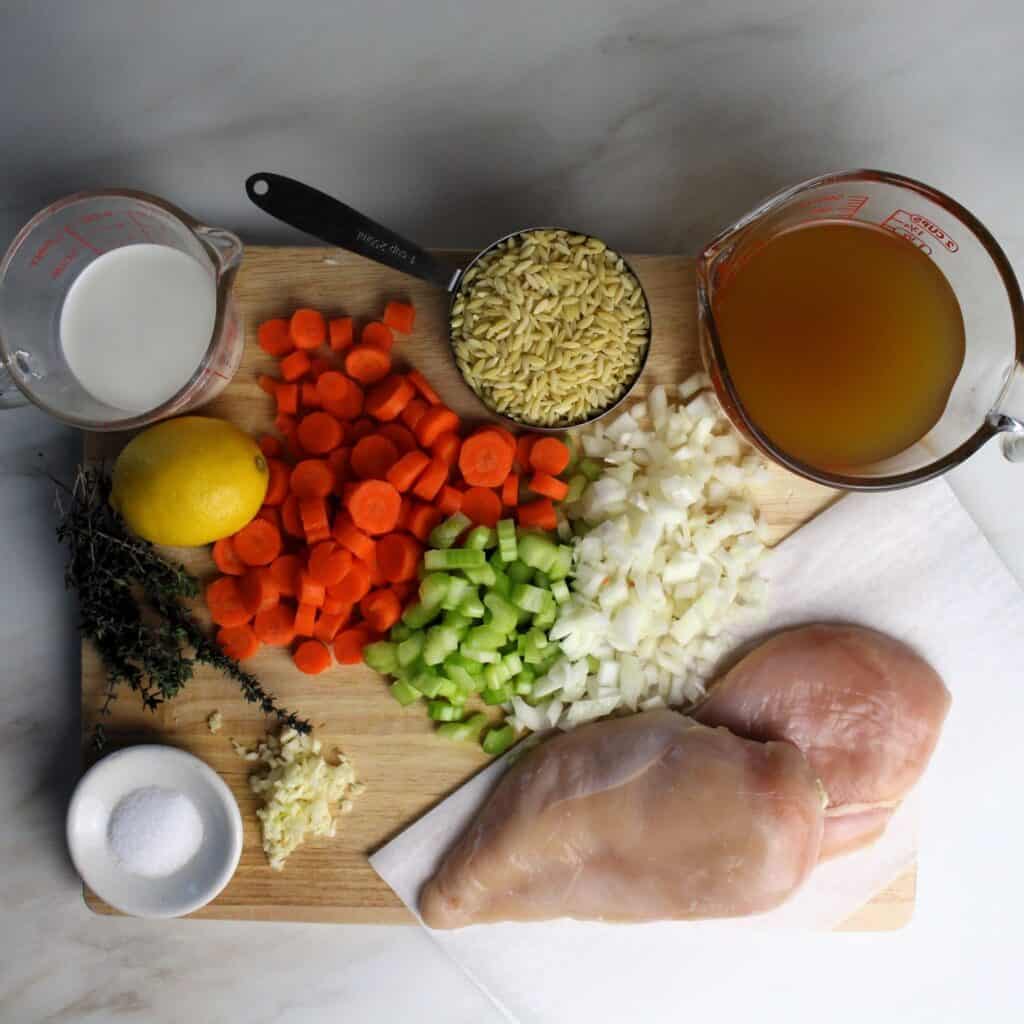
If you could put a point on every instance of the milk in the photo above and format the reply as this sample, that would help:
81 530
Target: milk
136 323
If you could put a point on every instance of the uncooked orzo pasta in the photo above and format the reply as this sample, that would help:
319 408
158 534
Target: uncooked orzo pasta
550 328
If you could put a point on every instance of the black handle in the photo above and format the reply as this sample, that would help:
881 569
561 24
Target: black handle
330 219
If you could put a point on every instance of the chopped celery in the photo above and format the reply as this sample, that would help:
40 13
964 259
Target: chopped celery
458 589
441 711
451 690
507 546
458 675
483 638
537 552
480 538
562 565
381 657
457 621
409 650
470 729
484 657
472 607
445 534
498 740
523 687
504 616
577 485
434 588
399 632
440 642
560 591
428 683
493 676
404 693
512 664
545 618
533 649
502 584
590 468
474 668
519 572
526 675
548 657
417 615
454 558
499 695
482 575
527 597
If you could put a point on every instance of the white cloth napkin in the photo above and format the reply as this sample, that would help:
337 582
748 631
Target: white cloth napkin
911 563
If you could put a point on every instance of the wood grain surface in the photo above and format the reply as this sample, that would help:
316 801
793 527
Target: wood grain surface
407 770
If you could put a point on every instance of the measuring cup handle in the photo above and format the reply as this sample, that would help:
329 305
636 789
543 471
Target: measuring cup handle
330 219
10 395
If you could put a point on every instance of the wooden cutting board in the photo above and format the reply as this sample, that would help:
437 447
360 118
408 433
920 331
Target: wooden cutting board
406 768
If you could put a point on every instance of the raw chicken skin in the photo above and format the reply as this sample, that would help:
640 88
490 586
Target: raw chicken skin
643 818
862 706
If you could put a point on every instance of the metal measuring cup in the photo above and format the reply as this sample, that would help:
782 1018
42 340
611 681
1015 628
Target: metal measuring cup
331 220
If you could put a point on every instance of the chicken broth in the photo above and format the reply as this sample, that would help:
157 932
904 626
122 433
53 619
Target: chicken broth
843 342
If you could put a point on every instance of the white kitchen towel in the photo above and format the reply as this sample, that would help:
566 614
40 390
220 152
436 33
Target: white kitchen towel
911 563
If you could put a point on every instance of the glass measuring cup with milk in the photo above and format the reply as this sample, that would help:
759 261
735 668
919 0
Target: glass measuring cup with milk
115 311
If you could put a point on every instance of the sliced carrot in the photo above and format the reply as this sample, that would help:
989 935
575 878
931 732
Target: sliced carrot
485 459
361 428
482 505
287 398
285 569
549 455
268 384
400 316
419 382
346 534
291 520
540 513
284 424
510 491
402 475
373 456
225 602
312 657
403 439
328 624
376 578
523 445
406 590
258 543
447 447
277 489
275 626
270 446
413 412
398 557
381 609
341 333
226 558
308 328
238 642
374 506
449 500
311 591
339 395
437 420
295 366
378 334
313 512
387 399
312 478
309 397
421 519
259 590
431 480
318 367
367 363
305 619
320 432
507 437
548 486
336 606
354 584
328 563
273 337
272 514
349 644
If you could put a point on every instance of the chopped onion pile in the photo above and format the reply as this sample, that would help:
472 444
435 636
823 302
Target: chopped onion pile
666 554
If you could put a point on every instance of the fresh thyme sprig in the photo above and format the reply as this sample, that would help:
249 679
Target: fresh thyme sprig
132 607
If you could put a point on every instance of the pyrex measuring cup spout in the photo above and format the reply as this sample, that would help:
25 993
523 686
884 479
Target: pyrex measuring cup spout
1008 415
328 218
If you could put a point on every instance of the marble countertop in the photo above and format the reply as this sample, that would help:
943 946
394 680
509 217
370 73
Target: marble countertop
651 124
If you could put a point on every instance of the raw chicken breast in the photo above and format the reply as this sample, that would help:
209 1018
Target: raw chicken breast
863 707
642 818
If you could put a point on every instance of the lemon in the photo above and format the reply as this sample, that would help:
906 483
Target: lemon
189 481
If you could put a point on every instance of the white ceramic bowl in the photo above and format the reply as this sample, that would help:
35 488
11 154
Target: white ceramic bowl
110 780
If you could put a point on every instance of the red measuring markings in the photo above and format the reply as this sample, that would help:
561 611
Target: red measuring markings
834 204
916 228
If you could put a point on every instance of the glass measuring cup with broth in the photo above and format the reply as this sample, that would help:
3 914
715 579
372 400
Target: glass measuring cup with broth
864 330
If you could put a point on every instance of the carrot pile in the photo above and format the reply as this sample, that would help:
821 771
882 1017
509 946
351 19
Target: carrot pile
369 462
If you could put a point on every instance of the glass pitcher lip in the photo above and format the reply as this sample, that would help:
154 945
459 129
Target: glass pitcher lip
224 271
985 431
